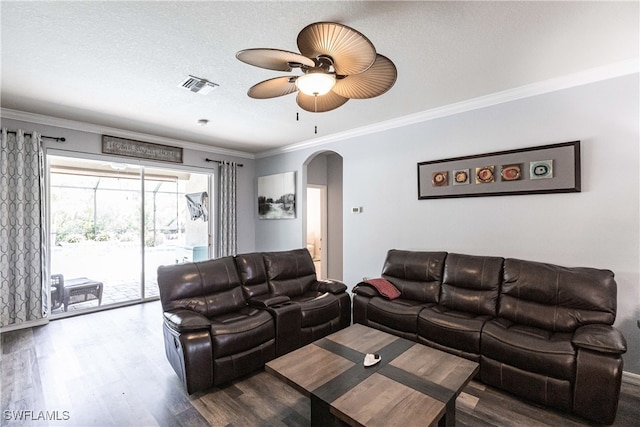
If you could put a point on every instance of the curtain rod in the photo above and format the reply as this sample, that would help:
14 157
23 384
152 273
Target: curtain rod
220 161
59 139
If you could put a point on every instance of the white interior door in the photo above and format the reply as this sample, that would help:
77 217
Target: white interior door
317 227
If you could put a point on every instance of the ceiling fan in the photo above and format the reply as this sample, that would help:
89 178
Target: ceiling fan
337 62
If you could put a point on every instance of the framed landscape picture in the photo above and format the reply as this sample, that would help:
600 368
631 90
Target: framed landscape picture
277 196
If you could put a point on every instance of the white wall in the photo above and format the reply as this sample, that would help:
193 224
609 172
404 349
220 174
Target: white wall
598 227
90 143
335 217
283 234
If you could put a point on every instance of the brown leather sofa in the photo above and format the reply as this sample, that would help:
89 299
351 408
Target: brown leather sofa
227 317
540 331
304 308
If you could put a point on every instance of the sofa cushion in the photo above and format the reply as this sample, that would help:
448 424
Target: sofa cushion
253 274
399 314
417 275
471 283
290 273
317 308
540 388
210 287
556 298
239 331
458 330
529 348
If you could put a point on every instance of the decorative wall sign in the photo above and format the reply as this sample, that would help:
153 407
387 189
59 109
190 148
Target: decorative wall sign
277 196
139 149
536 170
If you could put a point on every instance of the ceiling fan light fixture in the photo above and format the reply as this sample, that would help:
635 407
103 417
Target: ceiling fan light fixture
316 83
337 63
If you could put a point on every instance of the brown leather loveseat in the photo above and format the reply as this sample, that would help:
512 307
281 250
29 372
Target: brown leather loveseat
541 331
227 317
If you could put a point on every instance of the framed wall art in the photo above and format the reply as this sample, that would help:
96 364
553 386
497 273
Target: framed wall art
277 196
141 150
536 170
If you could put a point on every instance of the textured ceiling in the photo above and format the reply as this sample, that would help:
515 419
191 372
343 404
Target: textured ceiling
119 64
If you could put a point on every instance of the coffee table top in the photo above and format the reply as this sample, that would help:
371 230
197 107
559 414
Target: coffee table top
411 380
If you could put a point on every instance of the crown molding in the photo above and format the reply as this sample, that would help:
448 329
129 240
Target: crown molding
105 130
592 75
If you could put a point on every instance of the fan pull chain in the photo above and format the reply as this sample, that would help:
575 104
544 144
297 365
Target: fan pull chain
315 110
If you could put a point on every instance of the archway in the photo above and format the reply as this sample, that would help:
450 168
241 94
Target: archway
322 216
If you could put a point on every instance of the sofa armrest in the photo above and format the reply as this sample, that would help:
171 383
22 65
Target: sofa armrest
183 320
190 353
599 364
330 285
366 290
264 301
600 338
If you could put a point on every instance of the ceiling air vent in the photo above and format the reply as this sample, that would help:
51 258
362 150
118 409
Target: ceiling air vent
198 85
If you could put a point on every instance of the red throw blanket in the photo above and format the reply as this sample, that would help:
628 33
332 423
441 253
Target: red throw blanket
384 287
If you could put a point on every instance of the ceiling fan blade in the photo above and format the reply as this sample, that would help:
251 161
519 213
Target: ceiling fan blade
324 103
273 59
375 81
351 51
273 88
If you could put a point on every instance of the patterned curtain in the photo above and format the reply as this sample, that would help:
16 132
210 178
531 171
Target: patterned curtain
22 236
227 217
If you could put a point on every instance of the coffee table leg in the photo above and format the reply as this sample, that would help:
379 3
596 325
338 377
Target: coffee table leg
321 415
449 419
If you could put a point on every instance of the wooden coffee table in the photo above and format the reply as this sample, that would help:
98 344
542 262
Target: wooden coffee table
412 383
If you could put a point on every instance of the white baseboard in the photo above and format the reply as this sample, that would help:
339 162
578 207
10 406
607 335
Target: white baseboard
24 325
630 378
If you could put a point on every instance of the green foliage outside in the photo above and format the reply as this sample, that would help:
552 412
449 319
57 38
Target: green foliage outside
77 217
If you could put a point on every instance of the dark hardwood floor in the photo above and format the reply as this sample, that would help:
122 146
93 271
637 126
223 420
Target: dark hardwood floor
109 369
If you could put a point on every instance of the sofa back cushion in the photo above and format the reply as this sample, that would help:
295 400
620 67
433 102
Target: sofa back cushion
211 287
471 283
290 273
253 274
417 275
556 298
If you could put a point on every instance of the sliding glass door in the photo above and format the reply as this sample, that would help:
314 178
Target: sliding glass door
113 224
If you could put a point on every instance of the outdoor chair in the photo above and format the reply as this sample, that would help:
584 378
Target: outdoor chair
74 291
57 291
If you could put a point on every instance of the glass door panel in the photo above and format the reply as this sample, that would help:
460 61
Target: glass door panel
95 228
171 235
